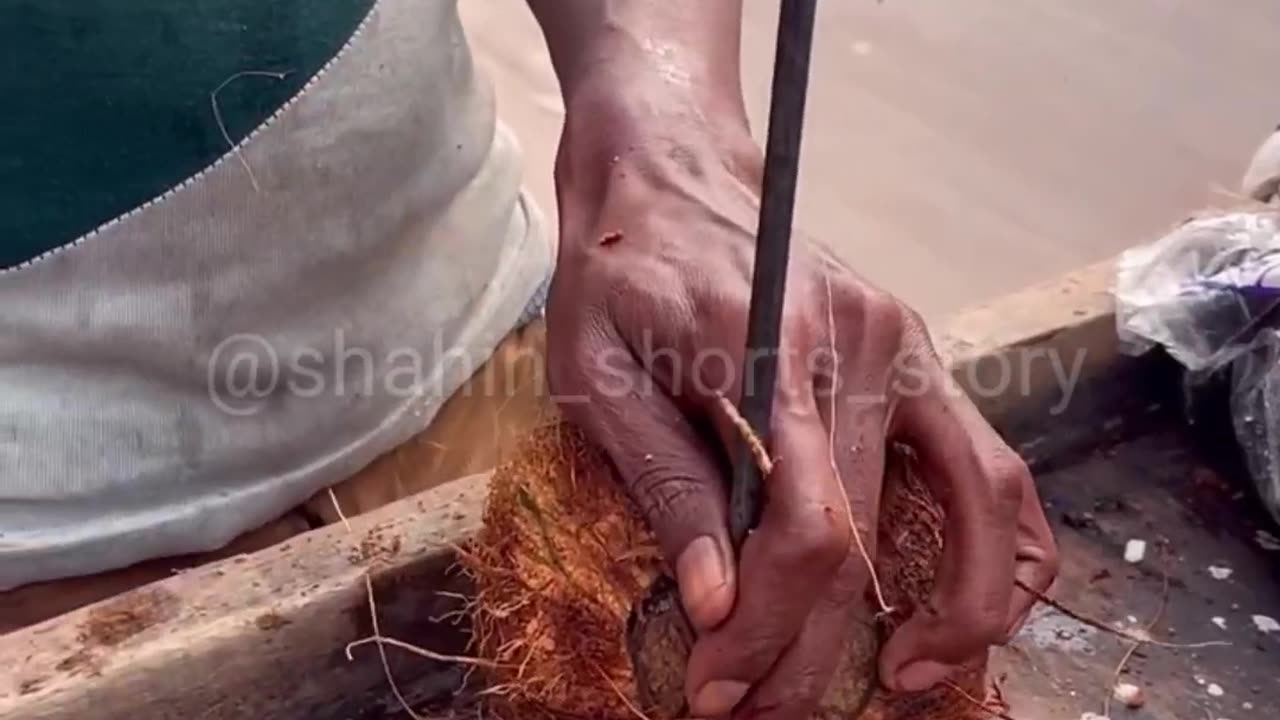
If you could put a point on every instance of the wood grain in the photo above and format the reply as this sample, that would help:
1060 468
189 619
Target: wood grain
262 635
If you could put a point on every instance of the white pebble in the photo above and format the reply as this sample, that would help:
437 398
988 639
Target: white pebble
1266 625
1247 705
1093 716
1219 573
1215 690
1132 619
1129 694
1220 622
1134 551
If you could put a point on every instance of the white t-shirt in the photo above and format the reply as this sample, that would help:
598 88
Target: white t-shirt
201 365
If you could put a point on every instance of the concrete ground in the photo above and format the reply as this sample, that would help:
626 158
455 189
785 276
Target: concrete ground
959 150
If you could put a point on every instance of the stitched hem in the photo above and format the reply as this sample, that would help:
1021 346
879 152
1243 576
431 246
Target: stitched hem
232 155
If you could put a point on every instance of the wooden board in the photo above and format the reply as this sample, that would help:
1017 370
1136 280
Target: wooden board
1044 367
263 636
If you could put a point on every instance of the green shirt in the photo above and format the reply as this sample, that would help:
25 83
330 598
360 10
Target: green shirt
109 103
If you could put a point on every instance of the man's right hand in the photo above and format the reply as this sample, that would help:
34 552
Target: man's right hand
647 322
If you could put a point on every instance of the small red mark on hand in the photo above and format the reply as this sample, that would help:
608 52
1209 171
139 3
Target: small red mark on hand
610 238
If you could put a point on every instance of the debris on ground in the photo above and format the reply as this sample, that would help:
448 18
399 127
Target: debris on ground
1131 695
1134 551
1079 521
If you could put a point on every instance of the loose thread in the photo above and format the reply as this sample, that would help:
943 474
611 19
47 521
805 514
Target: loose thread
423 652
1103 627
885 609
222 126
977 703
333 497
621 696
757 448
382 642
1133 648
382 652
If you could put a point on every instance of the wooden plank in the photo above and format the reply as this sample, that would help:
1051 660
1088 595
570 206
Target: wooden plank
259 636
1045 367
262 636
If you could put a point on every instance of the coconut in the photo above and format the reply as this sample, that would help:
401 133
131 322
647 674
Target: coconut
563 559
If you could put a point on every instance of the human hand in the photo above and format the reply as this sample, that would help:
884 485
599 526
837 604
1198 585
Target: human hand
646 329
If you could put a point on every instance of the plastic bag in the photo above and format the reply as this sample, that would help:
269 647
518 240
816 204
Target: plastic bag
1209 294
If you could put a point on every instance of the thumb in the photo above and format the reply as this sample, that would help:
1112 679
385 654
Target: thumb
667 469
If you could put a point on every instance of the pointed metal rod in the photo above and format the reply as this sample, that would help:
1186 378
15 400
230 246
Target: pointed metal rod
773 246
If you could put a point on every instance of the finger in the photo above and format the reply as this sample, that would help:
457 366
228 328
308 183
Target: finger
664 465
1037 559
855 420
786 564
797 684
855 415
981 482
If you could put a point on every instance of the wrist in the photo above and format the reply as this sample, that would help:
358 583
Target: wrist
630 110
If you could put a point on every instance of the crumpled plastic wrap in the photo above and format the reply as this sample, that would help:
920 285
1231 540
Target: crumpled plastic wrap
1208 292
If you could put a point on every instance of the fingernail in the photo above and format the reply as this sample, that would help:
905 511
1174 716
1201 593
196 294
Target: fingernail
718 698
922 675
700 570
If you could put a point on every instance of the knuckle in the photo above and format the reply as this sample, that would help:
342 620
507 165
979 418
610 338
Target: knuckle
850 583
1009 477
881 319
663 493
847 297
744 652
915 331
911 317
884 315
988 629
971 627
796 698
819 538
978 631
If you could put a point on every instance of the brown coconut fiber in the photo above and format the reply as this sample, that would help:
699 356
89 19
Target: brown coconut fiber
563 557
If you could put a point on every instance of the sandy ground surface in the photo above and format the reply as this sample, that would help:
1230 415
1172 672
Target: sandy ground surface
959 150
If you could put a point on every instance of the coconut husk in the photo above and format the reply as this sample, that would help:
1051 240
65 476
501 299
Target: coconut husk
563 558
